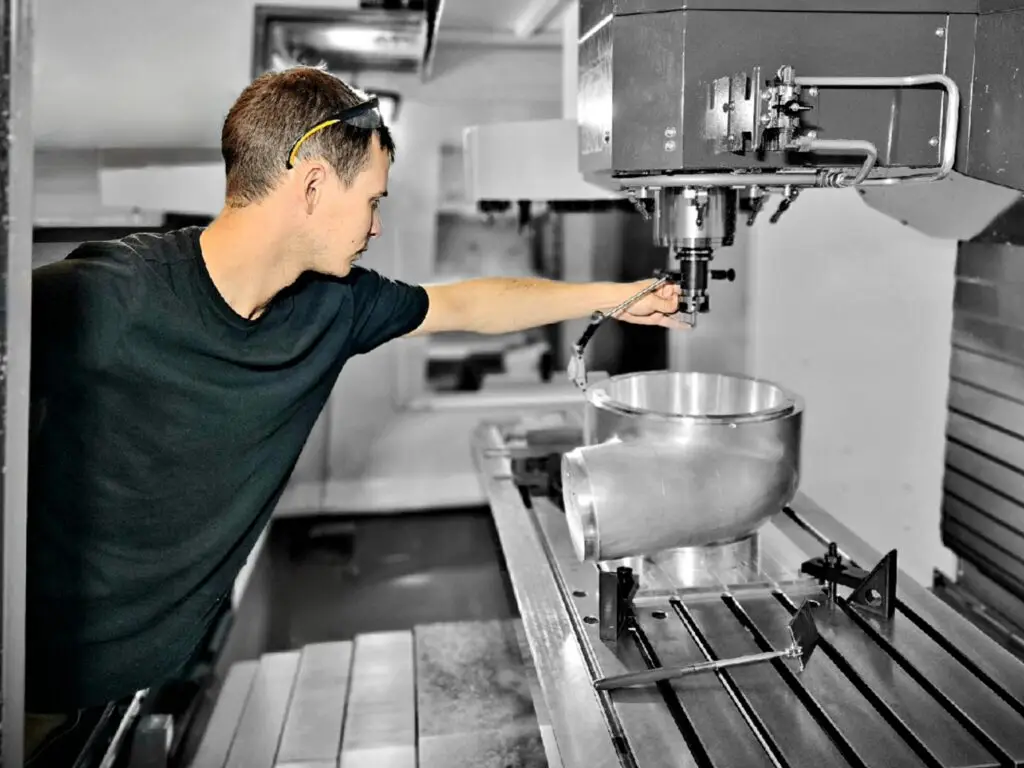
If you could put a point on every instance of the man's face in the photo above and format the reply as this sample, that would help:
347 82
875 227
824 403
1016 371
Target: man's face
347 217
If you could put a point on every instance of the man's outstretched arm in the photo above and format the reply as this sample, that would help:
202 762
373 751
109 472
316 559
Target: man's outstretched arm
507 304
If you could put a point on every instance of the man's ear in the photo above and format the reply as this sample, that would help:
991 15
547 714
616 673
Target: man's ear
314 181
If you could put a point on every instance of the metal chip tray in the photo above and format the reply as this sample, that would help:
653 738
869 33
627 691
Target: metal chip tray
922 688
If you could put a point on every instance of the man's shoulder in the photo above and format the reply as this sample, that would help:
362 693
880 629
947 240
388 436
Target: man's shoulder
116 269
91 268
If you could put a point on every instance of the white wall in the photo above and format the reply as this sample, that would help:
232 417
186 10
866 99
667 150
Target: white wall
853 311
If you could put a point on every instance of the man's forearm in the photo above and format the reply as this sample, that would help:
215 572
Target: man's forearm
509 304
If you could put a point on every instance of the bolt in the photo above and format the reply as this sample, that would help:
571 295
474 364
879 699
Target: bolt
933 141
670 146
812 134
670 132
730 137
765 119
940 31
813 91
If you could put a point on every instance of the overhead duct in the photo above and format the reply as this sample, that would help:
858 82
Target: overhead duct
347 41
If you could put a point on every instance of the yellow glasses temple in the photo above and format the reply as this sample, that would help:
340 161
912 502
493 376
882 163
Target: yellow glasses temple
306 135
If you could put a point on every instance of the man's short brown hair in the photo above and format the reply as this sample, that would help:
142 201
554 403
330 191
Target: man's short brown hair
273 112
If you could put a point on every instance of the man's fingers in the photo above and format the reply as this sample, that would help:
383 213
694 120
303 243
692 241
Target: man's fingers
665 320
673 322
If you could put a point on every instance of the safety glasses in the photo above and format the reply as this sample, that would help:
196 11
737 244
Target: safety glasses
366 116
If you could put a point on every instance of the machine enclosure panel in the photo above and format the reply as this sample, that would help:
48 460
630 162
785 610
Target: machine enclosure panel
996 151
594 101
661 65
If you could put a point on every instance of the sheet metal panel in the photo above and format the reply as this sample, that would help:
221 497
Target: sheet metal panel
16 165
997 111
259 731
312 728
983 486
657 56
380 728
227 713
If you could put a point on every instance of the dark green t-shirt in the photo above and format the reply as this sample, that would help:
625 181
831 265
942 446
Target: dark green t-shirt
164 428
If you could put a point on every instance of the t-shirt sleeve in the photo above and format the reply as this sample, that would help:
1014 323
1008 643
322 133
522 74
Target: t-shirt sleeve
385 309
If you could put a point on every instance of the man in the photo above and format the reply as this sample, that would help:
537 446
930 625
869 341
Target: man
176 378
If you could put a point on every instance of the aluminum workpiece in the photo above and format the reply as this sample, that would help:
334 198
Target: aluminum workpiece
921 686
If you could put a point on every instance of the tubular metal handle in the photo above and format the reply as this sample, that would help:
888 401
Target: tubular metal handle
951 123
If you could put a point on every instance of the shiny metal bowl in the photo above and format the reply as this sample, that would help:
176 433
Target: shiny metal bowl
678 460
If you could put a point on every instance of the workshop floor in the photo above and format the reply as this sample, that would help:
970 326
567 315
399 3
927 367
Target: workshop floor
333 578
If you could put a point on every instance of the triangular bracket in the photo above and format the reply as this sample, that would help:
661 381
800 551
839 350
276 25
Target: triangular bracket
876 594
804 632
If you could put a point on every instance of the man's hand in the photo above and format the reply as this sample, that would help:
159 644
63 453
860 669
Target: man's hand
656 308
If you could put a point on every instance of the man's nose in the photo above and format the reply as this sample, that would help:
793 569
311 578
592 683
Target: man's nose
375 224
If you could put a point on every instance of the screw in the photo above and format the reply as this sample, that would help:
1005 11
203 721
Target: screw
812 134
670 146
765 119
940 31
670 132
812 91
933 141
730 137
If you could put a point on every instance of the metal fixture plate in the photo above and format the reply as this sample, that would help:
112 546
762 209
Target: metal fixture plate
926 687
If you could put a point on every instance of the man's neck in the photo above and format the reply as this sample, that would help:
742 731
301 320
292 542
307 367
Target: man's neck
247 259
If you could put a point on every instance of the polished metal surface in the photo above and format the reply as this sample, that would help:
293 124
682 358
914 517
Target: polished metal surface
706 457
927 688
16 162
692 218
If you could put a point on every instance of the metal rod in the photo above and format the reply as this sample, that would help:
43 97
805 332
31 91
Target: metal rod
842 147
738 180
649 676
130 716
